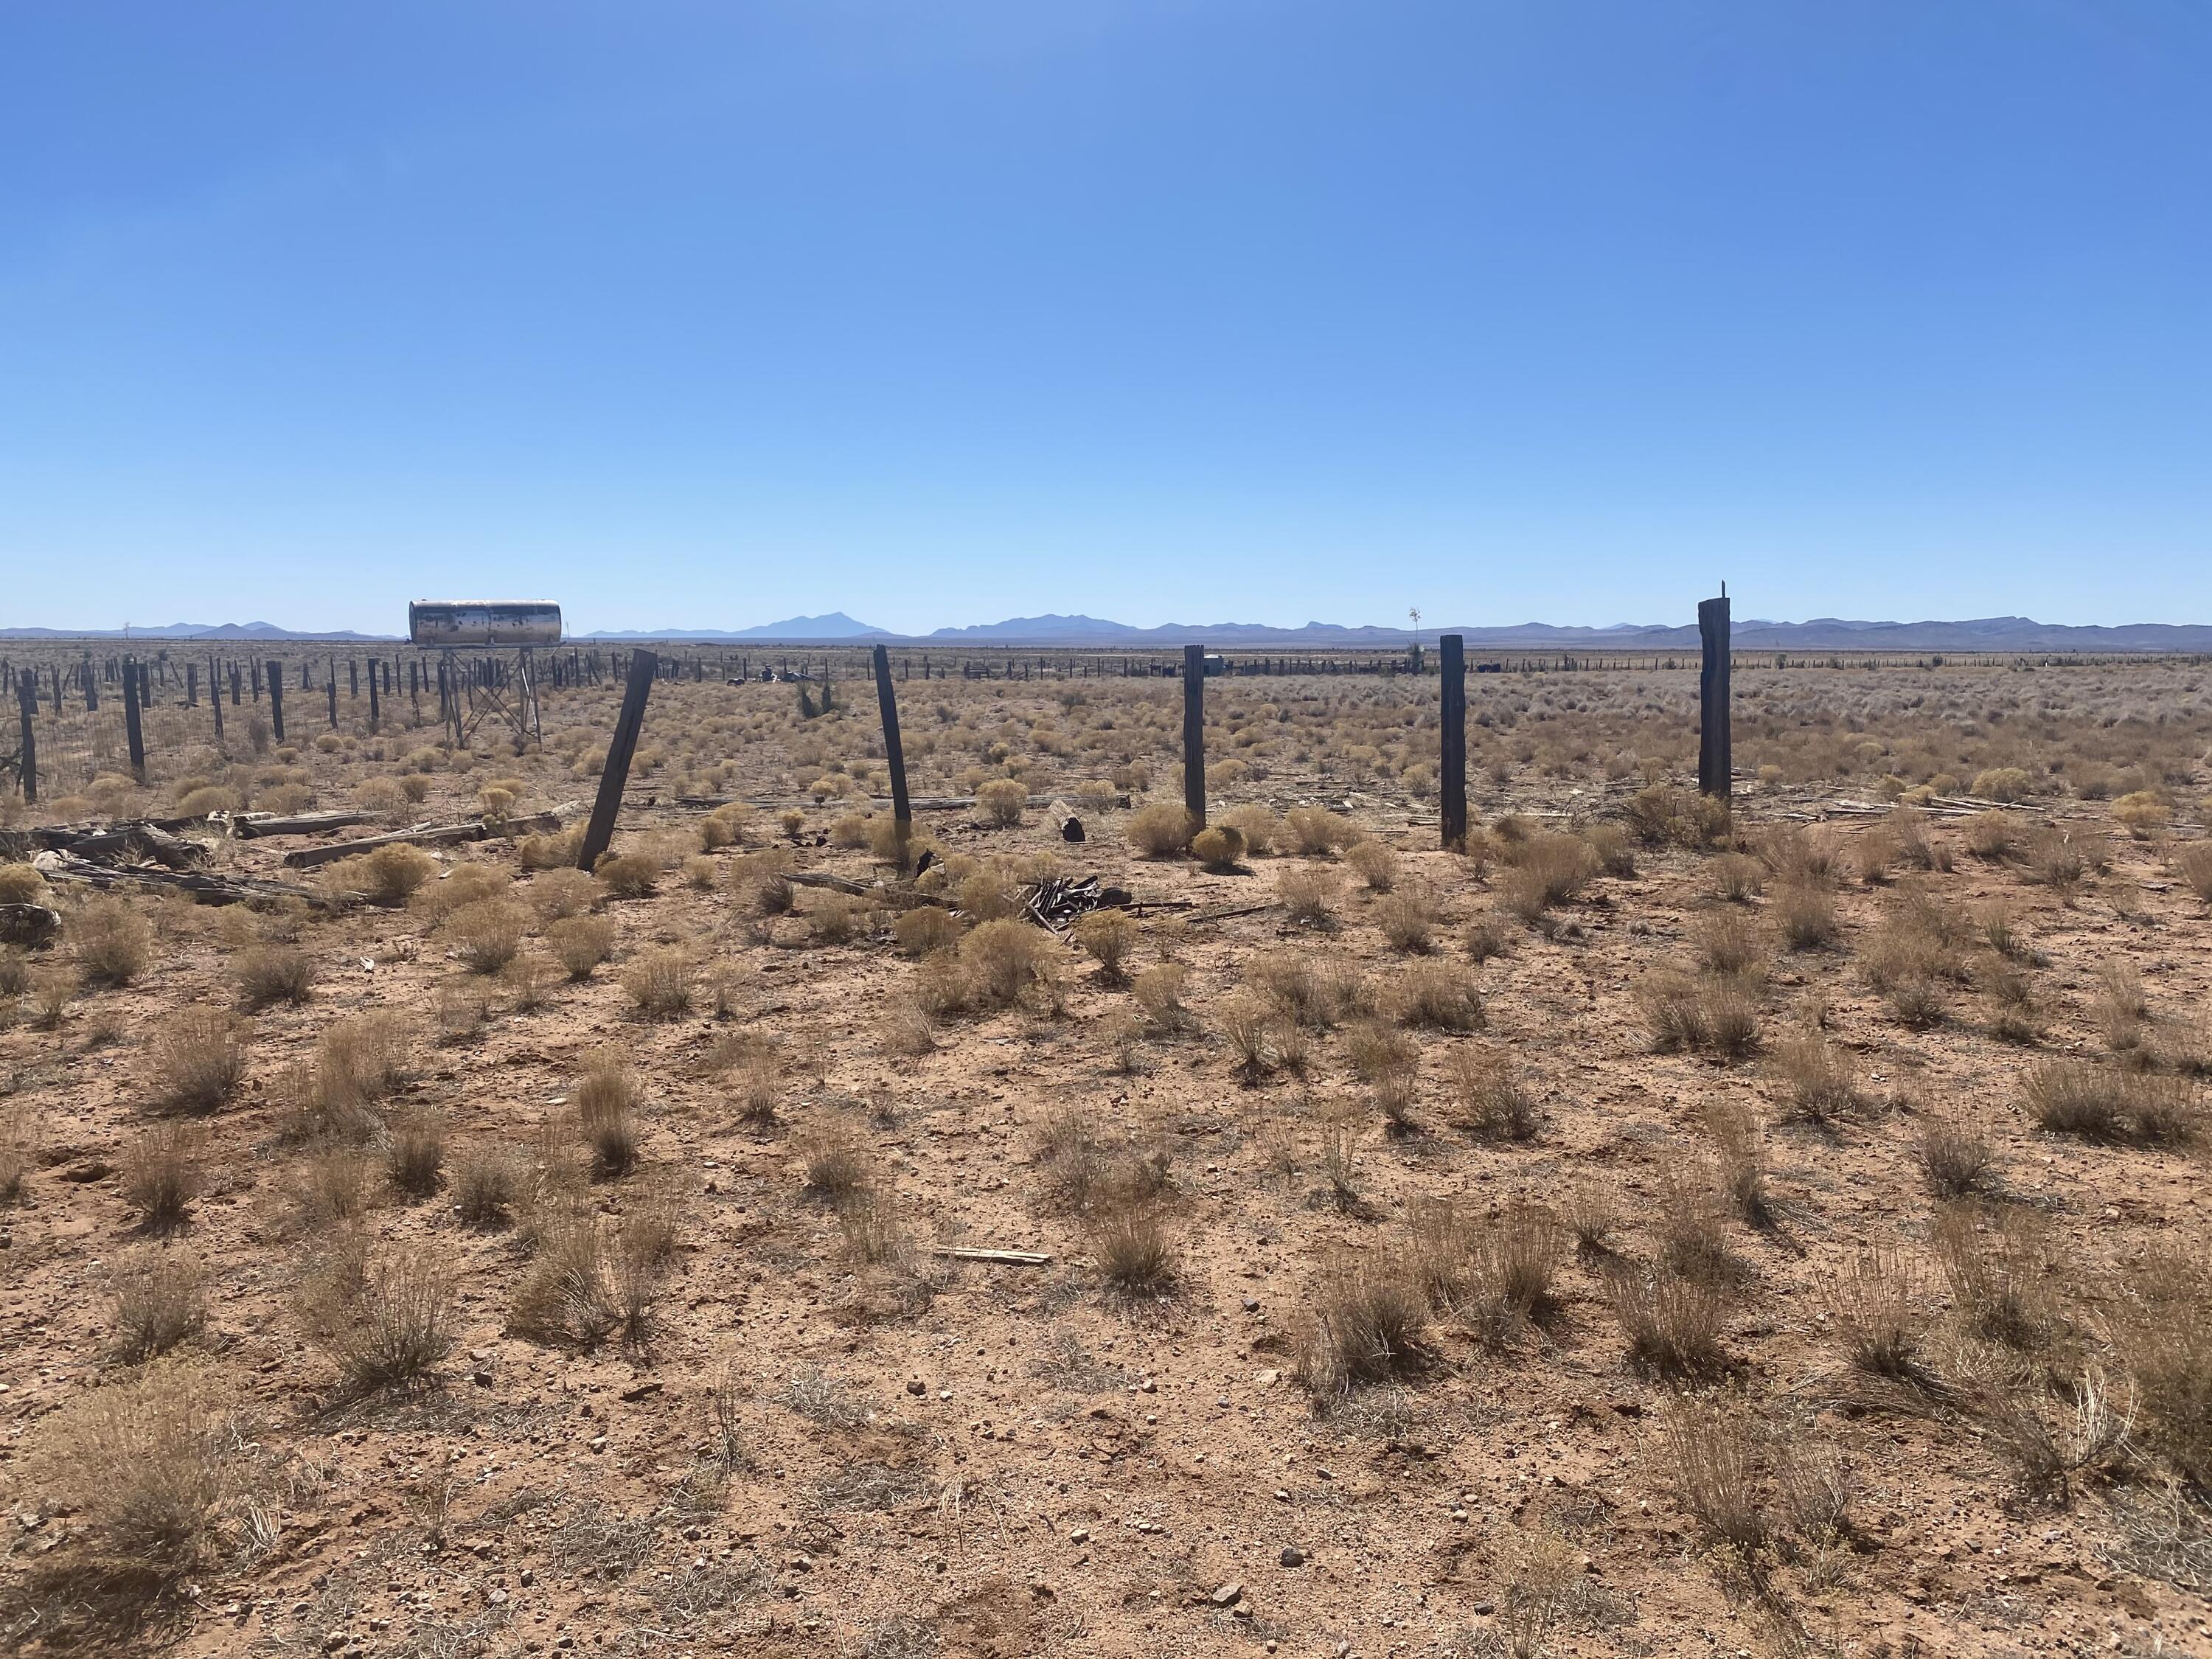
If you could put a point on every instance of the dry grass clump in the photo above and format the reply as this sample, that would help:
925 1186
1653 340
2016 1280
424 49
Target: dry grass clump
269 973
662 983
1728 942
1217 848
2002 784
1002 800
1407 918
1870 1304
1999 1265
2097 1103
607 1098
1956 1160
1709 1015
1247 1022
1493 1275
1994 835
114 942
1547 870
2055 858
1261 829
1805 912
627 875
1486 939
1802 857
834 919
1107 937
999 961
161 1177
396 1327
1438 995
358 1062
2161 1330
1739 1156
485 935
1315 832
195 1060
415 1154
2193 863
1664 814
1135 1256
927 928
22 883
137 1461
1314 993
562 893
161 1299
385 875
1736 878
835 1167
1374 864
1367 1324
1672 1320
1306 894
579 944
1158 992
1822 1081
1162 830
487 1181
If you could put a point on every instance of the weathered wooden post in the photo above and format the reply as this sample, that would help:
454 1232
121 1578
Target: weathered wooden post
1714 757
643 667
215 700
375 705
1452 779
333 689
277 701
1193 734
191 685
895 753
27 707
234 683
131 730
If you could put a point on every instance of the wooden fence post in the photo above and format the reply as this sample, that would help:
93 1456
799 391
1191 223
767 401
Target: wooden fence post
277 701
1452 780
132 729
1194 735
376 704
27 706
334 697
1714 750
895 753
643 667
214 700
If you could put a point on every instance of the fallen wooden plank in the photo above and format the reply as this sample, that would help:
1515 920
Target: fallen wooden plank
1235 910
117 844
918 803
299 824
1009 1258
431 834
204 887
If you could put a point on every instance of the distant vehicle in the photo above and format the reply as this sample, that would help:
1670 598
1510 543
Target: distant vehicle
482 624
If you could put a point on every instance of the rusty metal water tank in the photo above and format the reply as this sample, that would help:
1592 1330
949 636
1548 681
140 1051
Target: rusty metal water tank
461 625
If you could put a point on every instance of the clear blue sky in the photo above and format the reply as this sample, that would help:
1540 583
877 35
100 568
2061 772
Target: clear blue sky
1164 310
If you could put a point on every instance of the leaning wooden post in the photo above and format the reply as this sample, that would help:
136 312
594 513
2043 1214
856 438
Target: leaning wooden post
643 667
1713 746
132 729
1452 660
1194 735
895 753
27 706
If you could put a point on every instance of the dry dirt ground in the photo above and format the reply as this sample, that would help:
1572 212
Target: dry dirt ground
1338 1402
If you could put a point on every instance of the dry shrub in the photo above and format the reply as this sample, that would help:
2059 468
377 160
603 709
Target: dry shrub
269 973
1993 835
22 883
1869 1306
927 928
112 941
1000 960
1379 1055
2161 1330
1806 913
332 1187
1374 864
607 1098
486 1182
137 1459
1488 939
836 1167
1002 800
834 919
161 1299
661 983
579 944
1707 1016
1672 1320
2193 863
2057 859
627 875
1260 828
1727 943
485 935
1493 1275
1134 1255
1306 894
1247 1022
1822 1080
1713 1454
1740 1156
907 1029
1316 832
564 1294
1956 1160
556 851
1311 993
1736 878
1218 847
1592 1214
1439 995
2080 1097
386 875
1407 919
2002 784
399 1326
1998 1266
1161 830
1802 857
562 893
358 1062
196 1060
1107 937
415 1155
1493 1102
1158 990
1369 1323
1550 869
160 1176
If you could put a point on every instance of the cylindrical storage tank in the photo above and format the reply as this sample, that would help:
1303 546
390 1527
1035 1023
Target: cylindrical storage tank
460 623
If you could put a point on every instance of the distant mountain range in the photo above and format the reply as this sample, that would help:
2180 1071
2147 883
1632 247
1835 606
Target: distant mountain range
1822 633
